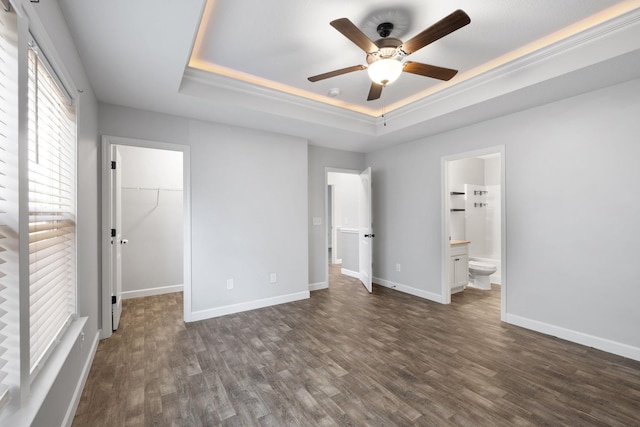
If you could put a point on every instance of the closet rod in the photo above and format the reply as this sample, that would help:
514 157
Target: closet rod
156 189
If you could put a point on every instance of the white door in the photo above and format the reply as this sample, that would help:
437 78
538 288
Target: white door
366 230
116 237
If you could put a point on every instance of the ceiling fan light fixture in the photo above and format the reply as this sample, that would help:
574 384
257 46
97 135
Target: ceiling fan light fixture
385 71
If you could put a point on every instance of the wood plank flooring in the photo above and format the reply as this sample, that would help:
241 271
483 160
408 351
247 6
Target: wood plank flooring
348 358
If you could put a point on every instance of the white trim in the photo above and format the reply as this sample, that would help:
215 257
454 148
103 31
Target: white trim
198 82
107 142
331 227
246 306
152 291
350 273
602 42
445 227
349 230
328 170
318 286
564 55
409 290
510 73
77 394
603 344
41 386
48 48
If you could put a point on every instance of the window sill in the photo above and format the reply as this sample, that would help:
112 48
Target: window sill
43 383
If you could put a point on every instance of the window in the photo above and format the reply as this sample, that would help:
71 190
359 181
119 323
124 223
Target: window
9 292
37 217
52 206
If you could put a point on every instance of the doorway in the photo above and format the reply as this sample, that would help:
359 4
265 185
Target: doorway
145 223
473 192
348 218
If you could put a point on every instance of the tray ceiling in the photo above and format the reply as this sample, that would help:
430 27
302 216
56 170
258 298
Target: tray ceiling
247 62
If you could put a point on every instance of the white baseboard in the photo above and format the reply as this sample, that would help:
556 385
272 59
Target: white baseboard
318 286
350 273
246 306
77 394
151 291
409 290
576 337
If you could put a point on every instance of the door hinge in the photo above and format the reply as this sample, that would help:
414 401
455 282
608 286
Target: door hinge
113 165
113 232
114 299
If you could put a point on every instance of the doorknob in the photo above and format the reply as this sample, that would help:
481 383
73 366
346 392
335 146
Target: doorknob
124 241
369 235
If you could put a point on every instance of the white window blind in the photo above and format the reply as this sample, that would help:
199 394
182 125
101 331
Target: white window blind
52 211
9 292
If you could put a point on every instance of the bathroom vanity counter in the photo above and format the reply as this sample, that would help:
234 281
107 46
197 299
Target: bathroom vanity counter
458 265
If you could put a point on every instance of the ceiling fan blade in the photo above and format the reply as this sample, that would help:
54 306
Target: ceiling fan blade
336 73
427 70
446 25
374 92
353 33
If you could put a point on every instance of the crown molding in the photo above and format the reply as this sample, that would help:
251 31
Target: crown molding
219 88
598 43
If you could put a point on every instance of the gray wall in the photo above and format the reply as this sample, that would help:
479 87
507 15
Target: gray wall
249 207
345 188
319 159
152 220
571 213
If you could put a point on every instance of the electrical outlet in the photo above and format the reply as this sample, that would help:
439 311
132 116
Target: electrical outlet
273 278
229 284
398 267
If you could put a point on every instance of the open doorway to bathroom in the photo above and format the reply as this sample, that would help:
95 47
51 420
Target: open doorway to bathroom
473 222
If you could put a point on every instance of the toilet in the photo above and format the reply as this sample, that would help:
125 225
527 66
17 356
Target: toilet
479 273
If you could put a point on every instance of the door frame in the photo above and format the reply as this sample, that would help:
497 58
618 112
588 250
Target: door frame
330 227
365 247
115 221
105 234
328 170
446 226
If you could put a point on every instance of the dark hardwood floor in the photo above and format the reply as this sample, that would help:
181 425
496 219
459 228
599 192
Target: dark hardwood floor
345 357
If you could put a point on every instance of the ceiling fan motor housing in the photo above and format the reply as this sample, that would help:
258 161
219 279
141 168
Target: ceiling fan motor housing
388 48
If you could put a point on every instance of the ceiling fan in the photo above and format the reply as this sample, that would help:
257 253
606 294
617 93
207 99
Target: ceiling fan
385 55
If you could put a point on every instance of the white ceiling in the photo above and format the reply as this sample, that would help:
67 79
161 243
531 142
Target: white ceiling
246 62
